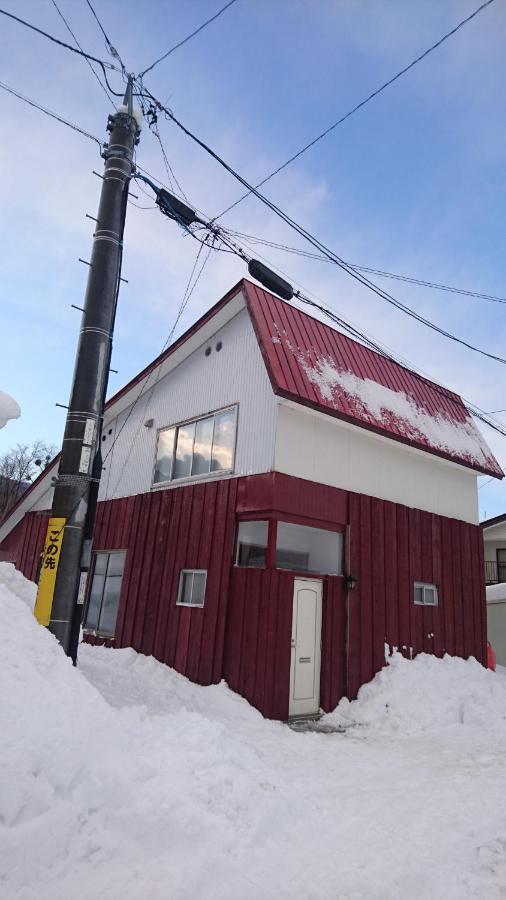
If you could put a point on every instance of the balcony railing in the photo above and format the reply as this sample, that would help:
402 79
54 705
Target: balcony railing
495 572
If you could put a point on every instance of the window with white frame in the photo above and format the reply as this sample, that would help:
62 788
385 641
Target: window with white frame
104 592
425 594
201 447
192 587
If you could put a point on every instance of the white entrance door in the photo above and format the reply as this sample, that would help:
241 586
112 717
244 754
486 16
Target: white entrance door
306 639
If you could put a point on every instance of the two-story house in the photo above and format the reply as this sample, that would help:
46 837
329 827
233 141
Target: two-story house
278 503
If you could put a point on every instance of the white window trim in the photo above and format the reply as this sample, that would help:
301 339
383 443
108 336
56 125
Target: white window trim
182 573
430 588
202 476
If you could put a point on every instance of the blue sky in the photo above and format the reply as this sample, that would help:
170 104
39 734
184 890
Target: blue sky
413 183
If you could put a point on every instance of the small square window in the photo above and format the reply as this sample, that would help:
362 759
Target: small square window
192 587
425 594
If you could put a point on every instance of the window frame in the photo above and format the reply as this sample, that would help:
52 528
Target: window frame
156 485
247 521
192 572
98 631
273 519
426 586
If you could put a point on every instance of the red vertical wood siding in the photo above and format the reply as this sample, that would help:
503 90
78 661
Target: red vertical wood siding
243 632
29 543
190 527
391 547
258 634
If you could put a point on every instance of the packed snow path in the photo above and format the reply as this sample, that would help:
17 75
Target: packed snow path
123 780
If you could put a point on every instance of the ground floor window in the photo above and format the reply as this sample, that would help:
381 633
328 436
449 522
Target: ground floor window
425 594
192 587
299 548
305 549
252 540
105 588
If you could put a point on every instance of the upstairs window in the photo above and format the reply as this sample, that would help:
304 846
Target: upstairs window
305 549
425 594
201 447
252 544
103 597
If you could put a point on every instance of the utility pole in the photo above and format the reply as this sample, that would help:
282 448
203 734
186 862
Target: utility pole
67 550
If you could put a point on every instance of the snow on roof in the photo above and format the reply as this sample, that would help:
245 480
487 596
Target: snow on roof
314 364
9 409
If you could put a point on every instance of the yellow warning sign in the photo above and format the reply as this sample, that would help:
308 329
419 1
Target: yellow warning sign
49 568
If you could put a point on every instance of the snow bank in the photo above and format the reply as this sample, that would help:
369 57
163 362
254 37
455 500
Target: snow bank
47 708
496 592
121 779
9 409
426 694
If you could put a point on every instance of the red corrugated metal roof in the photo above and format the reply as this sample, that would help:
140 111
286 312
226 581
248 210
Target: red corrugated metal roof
311 363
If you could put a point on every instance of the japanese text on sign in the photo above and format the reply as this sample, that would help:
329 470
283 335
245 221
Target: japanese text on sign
49 568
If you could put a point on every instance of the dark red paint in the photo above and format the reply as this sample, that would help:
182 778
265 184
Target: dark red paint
243 632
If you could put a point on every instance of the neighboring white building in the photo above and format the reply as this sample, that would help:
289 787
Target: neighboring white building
494 542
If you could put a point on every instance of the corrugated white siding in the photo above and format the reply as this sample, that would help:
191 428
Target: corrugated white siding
314 446
200 384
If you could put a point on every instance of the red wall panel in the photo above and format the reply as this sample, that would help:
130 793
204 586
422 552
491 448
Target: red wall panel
190 527
258 634
393 546
243 632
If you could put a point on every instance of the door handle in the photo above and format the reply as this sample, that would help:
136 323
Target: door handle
293 644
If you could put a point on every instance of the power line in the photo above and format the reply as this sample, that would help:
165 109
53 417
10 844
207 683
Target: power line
357 333
188 37
319 245
358 106
410 279
112 50
222 234
104 65
69 29
51 114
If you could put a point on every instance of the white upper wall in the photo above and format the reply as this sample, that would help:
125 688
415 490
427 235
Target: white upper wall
323 449
198 385
271 433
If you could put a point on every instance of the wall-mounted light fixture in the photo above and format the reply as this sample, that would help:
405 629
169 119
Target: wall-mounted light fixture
350 582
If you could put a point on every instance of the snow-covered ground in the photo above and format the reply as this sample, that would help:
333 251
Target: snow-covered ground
122 780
